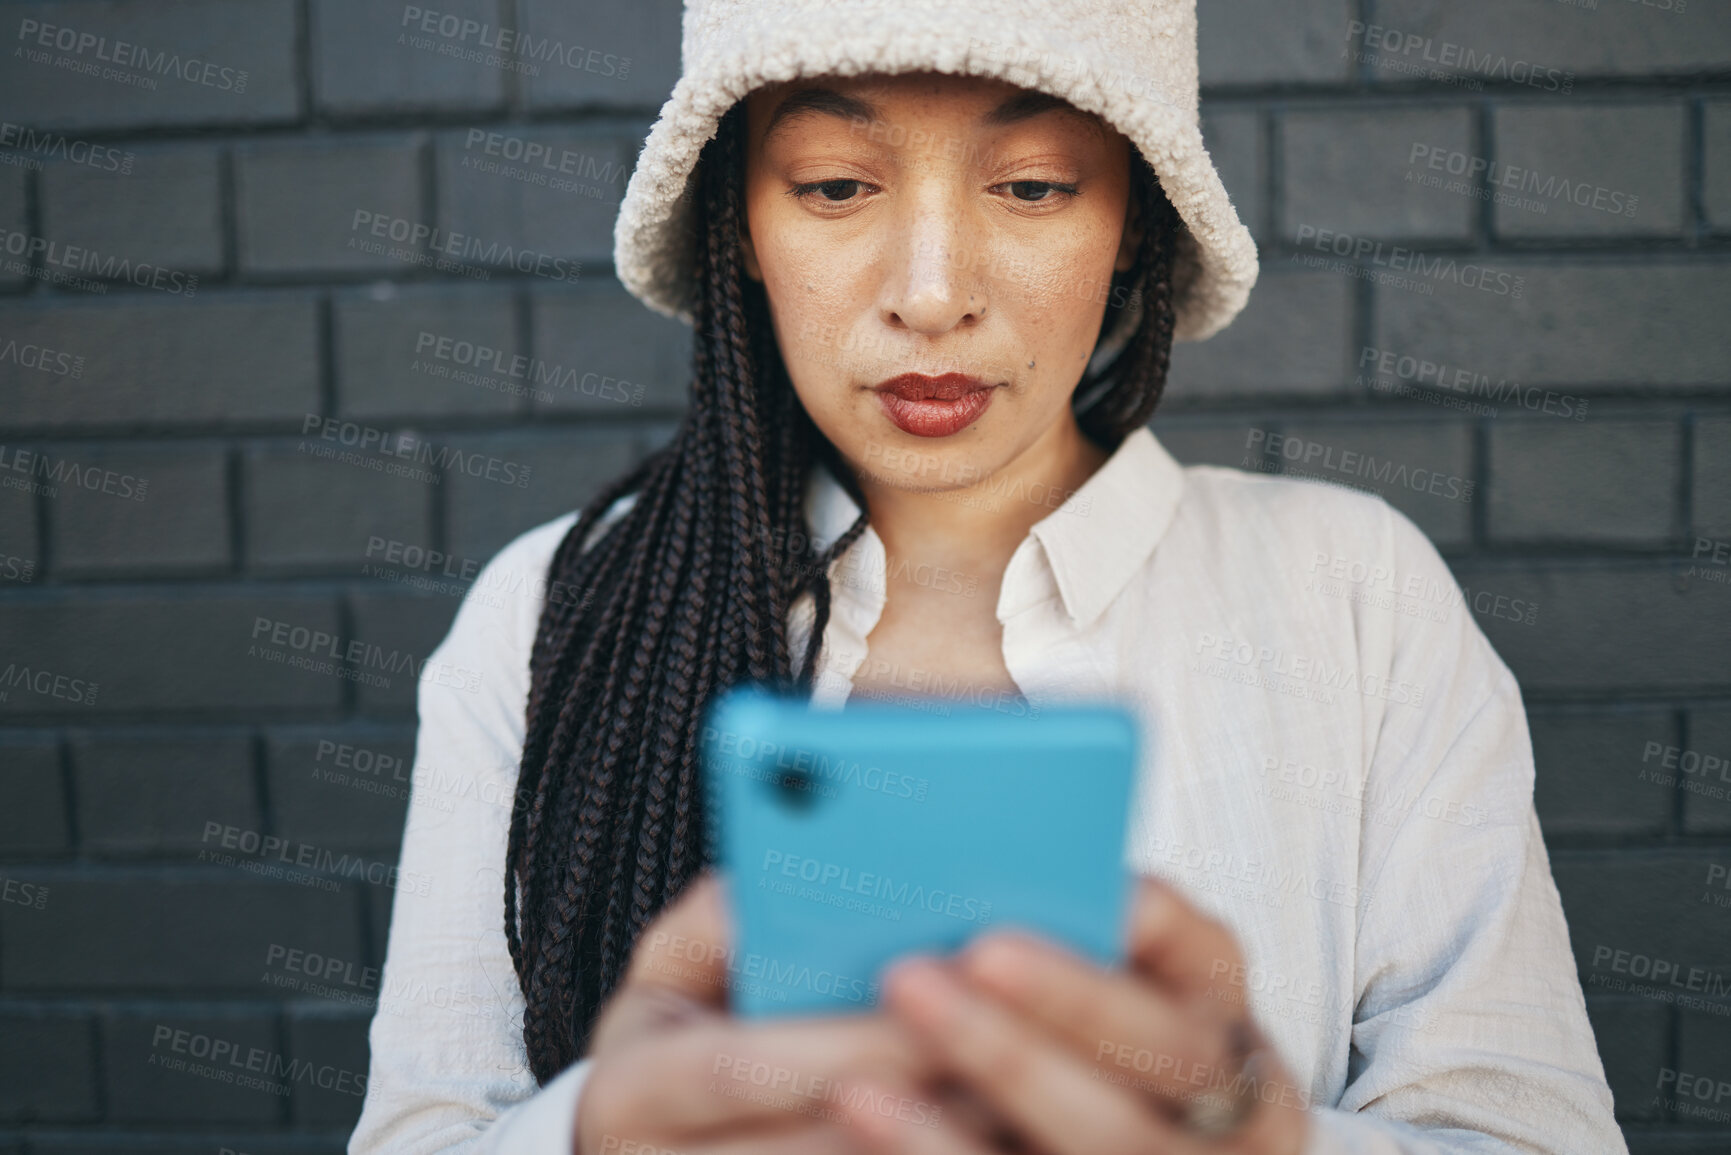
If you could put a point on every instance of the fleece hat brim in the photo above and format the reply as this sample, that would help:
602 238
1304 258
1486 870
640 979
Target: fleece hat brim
1134 65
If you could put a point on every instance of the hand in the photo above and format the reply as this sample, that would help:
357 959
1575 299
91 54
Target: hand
1082 1060
673 1071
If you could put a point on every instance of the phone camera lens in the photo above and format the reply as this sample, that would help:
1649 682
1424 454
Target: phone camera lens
796 788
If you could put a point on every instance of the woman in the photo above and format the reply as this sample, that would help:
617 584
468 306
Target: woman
934 300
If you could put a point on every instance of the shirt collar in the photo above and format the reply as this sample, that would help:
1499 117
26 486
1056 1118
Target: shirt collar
1092 543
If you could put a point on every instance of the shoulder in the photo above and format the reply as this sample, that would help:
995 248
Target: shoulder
1331 561
1264 513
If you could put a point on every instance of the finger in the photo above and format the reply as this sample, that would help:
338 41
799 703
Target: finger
1173 942
677 971
756 1074
1085 1004
1055 1097
1132 1032
964 1110
815 1139
868 1105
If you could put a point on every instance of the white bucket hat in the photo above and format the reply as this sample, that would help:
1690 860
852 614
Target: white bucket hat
1134 64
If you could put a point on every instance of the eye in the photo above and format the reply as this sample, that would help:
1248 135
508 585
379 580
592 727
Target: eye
827 189
1039 188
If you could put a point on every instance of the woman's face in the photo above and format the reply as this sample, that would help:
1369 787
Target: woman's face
927 223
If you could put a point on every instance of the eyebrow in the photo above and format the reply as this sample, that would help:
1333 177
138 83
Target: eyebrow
1019 107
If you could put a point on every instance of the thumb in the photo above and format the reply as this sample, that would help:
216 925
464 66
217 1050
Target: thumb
687 945
677 972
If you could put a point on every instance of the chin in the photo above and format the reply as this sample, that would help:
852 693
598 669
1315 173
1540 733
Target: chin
927 465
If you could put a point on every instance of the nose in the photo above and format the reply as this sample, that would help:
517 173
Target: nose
934 281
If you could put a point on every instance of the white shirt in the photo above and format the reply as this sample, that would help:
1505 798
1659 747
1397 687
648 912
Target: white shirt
1336 764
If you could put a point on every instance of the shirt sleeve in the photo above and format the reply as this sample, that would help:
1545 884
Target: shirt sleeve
1470 1031
448 1069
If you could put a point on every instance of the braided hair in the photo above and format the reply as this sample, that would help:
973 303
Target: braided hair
688 596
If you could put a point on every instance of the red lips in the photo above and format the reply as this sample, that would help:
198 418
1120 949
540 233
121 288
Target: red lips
934 406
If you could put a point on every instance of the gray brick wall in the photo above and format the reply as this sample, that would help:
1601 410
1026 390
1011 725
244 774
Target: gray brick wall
1563 170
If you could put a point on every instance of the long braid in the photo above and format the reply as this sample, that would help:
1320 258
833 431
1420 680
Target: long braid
1129 386
685 595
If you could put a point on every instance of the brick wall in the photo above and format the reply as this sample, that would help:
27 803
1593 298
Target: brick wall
1495 239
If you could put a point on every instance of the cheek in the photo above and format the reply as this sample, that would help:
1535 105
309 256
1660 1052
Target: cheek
820 298
1080 281
1056 315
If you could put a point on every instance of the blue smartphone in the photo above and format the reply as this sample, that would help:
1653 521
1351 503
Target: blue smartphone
848 837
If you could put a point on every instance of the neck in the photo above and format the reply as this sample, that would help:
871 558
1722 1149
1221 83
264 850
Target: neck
975 529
